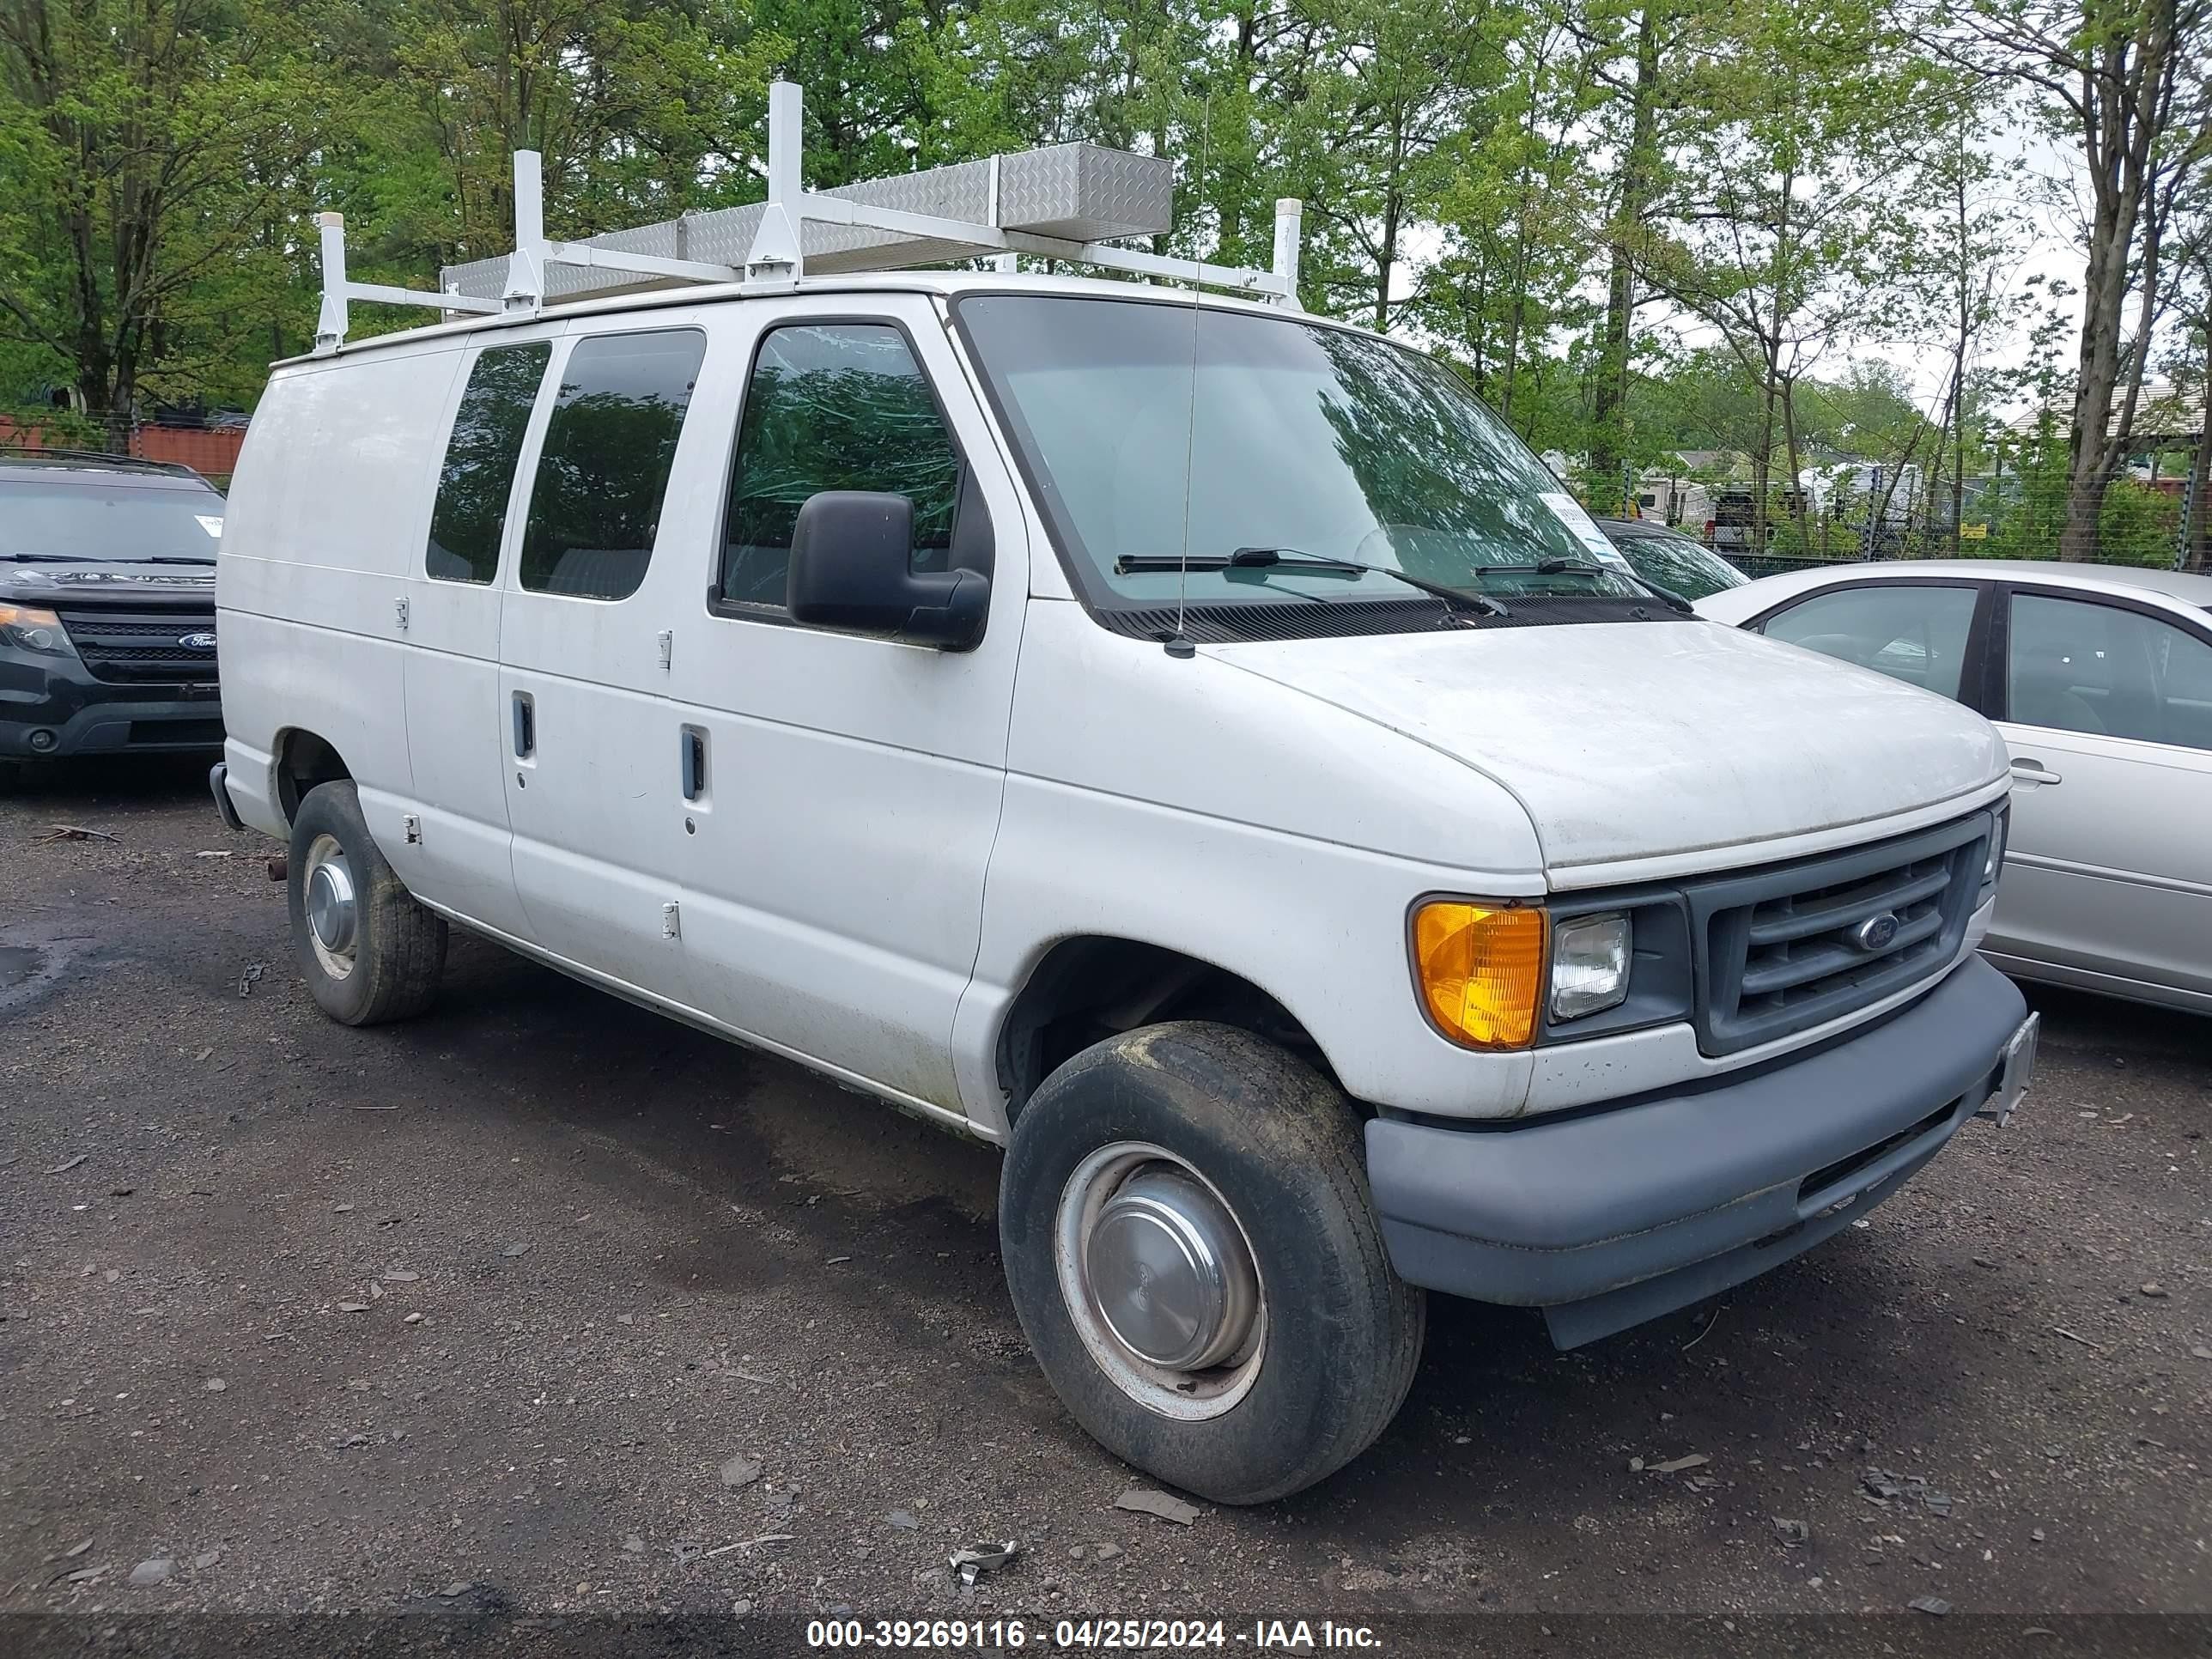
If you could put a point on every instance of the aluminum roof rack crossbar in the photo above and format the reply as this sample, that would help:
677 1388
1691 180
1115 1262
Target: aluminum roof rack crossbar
1070 203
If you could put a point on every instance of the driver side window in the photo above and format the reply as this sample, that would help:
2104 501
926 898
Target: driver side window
833 406
1914 632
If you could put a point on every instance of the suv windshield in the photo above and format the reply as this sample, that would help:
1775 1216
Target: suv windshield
1673 562
103 522
1291 436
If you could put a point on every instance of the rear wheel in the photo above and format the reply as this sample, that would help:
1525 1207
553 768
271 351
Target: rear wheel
1194 1256
370 952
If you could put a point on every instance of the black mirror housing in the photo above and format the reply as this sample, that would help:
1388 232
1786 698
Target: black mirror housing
851 569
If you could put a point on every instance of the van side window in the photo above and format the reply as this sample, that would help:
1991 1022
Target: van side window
595 506
833 406
471 514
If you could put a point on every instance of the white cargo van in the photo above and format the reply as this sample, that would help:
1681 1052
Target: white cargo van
1188 743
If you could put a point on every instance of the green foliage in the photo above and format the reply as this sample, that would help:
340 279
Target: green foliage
1636 229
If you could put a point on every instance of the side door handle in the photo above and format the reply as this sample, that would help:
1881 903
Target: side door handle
693 742
525 725
2026 770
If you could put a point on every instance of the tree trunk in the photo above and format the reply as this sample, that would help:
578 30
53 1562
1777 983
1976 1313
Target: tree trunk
1608 403
2199 544
2125 105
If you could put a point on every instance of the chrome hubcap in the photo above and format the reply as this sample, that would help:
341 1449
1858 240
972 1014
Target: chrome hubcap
1159 1279
1169 1271
333 912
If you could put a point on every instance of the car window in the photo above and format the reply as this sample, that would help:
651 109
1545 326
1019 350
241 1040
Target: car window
1678 564
833 406
470 513
1915 632
595 504
2080 665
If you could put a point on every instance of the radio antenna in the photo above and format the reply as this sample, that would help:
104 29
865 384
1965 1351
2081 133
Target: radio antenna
1179 645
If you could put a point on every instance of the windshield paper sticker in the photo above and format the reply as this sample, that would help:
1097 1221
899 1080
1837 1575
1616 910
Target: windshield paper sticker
210 522
1568 512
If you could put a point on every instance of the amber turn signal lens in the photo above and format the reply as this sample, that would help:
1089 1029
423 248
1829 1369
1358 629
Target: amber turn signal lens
1481 971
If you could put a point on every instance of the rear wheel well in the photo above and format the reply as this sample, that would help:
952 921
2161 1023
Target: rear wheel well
1090 989
304 760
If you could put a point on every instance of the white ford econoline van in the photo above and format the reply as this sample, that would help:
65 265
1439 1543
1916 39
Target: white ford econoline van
824 668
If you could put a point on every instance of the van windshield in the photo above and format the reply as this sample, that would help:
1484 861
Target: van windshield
1291 436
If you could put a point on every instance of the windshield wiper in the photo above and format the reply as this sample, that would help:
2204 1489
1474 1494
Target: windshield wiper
1263 558
1559 567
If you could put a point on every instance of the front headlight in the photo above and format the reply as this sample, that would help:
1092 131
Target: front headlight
1589 965
26 628
1993 866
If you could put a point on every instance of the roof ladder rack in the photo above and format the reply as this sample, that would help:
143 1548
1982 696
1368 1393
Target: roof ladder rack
1066 201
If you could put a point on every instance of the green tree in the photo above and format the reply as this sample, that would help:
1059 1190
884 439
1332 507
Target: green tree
146 148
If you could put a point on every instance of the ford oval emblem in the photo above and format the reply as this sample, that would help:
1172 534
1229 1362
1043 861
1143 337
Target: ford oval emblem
1876 933
197 641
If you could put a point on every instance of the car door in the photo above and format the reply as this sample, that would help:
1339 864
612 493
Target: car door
583 695
2105 704
843 791
463 858
1927 633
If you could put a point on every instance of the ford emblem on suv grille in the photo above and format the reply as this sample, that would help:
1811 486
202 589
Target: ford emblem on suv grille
1876 933
197 641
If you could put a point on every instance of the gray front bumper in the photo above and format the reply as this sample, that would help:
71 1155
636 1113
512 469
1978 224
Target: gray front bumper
1607 1220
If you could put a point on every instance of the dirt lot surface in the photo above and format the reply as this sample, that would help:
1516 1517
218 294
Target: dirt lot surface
543 1303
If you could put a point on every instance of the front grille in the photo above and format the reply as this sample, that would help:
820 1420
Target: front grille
1797 945
141 644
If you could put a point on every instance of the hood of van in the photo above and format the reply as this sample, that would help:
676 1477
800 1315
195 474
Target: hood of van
1642 740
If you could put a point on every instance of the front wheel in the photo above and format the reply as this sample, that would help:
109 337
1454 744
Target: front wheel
1194 1256
370 952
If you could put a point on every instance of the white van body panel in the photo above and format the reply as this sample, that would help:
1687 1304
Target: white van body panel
334 488
1177 804
834 881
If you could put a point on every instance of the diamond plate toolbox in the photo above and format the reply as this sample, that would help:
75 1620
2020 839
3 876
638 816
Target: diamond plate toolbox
1079 192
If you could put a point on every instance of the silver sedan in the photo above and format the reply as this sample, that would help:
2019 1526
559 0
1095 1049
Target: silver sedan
2100 676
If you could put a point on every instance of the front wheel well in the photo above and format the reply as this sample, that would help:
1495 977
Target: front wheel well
1089 989
304 761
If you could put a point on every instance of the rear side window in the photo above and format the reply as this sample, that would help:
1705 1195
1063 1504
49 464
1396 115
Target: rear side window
2078 665
471 514
595 507
1913 631
833 406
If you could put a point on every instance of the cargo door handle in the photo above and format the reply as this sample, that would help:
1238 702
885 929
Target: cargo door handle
694 762
525 725
2025 770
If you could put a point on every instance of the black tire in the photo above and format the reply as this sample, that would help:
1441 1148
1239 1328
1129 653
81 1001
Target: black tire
1283 1148
399 950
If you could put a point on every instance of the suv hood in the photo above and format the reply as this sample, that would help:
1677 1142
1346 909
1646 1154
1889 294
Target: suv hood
1641 740
155 584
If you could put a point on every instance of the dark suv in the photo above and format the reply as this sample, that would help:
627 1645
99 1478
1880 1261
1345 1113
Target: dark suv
106 606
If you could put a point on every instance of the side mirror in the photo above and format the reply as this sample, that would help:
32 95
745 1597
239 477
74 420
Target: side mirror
851 569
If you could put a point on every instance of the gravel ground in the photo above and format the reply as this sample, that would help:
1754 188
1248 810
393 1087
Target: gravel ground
545 1304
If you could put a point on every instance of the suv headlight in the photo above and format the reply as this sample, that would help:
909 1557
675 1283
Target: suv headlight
1993 866
1589 965
26 628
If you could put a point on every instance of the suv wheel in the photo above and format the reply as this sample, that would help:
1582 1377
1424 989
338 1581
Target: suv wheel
369 952
1194 1256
